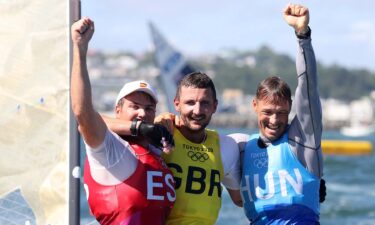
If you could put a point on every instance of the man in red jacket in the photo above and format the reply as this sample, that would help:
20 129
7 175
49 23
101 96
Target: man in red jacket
126 180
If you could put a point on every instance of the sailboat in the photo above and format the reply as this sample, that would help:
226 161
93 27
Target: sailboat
358 130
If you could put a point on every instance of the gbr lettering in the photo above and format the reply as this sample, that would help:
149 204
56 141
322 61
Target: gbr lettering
196 177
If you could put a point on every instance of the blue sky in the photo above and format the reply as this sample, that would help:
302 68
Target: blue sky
343 31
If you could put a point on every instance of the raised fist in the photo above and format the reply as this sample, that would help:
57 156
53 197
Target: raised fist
297 16
82 31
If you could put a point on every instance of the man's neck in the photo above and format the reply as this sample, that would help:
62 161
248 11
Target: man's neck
265 141
197 137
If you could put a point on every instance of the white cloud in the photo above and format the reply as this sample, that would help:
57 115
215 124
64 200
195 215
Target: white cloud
363 32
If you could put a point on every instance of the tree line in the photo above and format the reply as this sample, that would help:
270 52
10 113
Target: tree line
233 71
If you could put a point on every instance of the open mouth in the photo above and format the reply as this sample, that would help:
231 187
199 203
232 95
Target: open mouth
273 128
197 119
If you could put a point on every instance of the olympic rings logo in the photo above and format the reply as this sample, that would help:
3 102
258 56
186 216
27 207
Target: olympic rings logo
198 156
260 163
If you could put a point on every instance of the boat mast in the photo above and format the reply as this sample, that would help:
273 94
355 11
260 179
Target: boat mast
74 143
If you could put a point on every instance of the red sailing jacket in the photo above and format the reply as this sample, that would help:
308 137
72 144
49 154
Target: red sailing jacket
145 198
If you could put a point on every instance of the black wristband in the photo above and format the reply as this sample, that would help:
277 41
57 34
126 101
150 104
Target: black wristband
305 35
133 128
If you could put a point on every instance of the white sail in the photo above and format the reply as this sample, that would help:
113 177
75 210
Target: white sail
34 115
171 63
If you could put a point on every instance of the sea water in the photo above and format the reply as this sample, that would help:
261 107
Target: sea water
350 184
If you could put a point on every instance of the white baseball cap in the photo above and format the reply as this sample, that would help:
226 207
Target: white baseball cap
139 85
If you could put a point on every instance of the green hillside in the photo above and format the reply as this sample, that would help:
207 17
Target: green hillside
335 81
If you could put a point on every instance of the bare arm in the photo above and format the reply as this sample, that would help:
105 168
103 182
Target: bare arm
235 195
153 132
122 127
118 126
90 124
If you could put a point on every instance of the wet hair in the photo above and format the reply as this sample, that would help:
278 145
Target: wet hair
273 89
196 80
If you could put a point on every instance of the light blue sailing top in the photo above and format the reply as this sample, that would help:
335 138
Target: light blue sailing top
305 130
276 188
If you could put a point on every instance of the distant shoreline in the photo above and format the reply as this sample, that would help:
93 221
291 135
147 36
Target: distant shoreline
250 121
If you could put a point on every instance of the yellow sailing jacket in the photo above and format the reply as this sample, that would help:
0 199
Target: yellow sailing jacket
198 171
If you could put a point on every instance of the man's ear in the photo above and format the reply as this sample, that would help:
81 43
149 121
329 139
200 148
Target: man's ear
117 110
254 104
176 103
215 105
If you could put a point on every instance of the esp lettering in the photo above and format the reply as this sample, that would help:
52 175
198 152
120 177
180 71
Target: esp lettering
153 185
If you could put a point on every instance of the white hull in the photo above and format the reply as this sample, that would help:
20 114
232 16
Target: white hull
357 131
